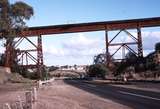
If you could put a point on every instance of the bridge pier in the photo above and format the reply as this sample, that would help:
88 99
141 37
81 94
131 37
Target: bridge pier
24 56
39 56
137 40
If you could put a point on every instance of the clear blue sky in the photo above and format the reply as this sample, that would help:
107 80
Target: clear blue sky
53 12
49 12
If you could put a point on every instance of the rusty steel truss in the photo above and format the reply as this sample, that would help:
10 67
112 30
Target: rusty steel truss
122 25
137 41
24 56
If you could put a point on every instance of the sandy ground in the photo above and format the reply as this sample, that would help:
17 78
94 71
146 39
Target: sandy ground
9 92
59 95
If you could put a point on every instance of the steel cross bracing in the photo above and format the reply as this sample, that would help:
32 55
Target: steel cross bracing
122 25
24 56
124 45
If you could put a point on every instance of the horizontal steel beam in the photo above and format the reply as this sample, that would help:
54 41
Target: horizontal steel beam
93 26
31 50
88 27
127 43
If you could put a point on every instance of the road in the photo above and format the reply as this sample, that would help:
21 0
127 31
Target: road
136 99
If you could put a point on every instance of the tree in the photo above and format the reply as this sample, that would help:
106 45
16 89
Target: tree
157 46
2 56
13 17
52 68
131 58
97 70
12 21
100 59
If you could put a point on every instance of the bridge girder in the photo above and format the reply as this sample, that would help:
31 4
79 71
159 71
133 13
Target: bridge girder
121 25
93 26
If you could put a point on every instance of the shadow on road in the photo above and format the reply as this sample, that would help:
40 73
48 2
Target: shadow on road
114 93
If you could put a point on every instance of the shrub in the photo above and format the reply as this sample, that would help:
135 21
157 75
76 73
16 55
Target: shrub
157 46
53 68
97 70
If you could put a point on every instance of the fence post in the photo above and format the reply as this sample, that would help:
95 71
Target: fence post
39 84
34 91
7 106
20 102
28 100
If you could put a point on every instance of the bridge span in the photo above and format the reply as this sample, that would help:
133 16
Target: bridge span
107 26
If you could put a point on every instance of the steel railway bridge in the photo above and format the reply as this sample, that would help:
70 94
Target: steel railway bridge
108 26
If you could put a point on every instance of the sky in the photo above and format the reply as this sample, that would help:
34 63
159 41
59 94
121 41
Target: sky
79 48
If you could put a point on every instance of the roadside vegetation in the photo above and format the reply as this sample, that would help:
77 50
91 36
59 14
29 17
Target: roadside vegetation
133 67
98 69
140 67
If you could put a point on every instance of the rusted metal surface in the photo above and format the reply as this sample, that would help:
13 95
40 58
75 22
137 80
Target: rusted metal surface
140 49
24 56
8 61
94 26
39 56
107 48
137 40
122 25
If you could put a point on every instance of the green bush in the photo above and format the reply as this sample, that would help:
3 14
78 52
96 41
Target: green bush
97 70
52 68
157 46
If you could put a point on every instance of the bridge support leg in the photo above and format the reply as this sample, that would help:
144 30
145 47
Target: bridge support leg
39 57
140 48
8 57
25 55
135 40
107 48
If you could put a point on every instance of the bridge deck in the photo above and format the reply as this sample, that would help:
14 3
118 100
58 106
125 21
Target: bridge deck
93 26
